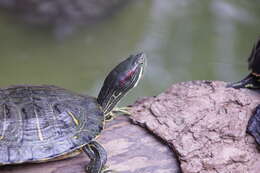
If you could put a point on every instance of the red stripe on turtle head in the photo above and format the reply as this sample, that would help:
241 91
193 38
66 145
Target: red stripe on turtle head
128 76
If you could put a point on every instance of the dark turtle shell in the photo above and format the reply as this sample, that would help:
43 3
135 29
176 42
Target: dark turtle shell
44 122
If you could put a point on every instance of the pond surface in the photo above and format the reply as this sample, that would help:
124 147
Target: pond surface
184 40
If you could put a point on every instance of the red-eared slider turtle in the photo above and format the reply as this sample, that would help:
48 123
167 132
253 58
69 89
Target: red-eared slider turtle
252 81
44 123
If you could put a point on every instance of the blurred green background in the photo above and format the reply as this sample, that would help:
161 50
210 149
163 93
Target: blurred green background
183 39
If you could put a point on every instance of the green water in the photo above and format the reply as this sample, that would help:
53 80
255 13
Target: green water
183 39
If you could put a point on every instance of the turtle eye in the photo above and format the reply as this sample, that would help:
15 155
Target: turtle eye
141 59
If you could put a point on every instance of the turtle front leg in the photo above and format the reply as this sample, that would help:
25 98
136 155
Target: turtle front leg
98 158
123 110
116 111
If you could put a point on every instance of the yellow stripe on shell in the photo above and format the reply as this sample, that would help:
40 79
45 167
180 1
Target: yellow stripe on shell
4 125
76 121
38 126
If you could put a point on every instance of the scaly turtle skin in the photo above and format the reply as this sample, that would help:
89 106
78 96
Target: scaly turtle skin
252 81
43 123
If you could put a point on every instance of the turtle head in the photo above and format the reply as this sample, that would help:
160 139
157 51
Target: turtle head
120 80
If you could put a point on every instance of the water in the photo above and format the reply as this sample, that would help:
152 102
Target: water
184 40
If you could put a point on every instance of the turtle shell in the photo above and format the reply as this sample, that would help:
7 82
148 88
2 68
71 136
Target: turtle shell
38 123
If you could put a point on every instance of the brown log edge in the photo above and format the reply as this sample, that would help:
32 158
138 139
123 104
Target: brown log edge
130 148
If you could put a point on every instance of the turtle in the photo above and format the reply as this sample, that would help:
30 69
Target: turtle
252 81
46 123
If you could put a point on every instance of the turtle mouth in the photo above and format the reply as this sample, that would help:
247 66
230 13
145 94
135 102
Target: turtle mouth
142 62
139 75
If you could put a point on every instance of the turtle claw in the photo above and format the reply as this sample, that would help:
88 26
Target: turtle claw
110 171
124 110
107 170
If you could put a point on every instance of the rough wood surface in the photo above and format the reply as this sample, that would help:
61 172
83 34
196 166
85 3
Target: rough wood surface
205 123
131 149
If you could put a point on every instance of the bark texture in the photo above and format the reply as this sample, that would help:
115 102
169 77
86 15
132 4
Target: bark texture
205 124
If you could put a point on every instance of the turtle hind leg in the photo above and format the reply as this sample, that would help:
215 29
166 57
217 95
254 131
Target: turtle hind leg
253 126
98 158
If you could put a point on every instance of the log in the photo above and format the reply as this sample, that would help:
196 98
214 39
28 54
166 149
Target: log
130 148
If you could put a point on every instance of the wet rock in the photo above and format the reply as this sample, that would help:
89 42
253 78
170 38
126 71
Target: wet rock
205 124
130 148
